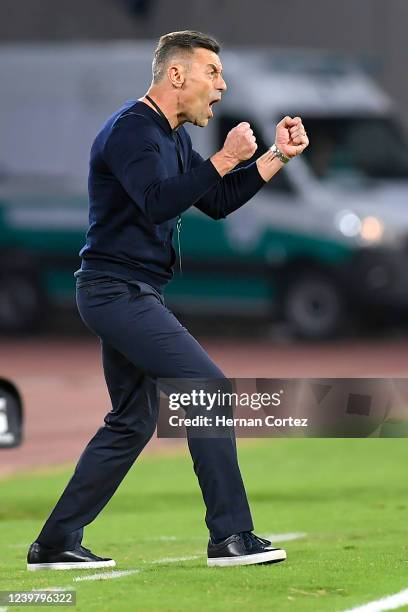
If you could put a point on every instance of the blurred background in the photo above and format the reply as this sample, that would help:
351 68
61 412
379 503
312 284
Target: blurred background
309 279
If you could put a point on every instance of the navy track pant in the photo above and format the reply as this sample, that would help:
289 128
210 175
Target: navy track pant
142 341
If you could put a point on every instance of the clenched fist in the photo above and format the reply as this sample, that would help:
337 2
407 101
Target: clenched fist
291 137
240 143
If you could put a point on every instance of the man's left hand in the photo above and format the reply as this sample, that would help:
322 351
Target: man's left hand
291 138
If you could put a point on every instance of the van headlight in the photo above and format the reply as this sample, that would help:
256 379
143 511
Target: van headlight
370 229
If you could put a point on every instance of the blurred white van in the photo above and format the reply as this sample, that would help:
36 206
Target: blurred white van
326 239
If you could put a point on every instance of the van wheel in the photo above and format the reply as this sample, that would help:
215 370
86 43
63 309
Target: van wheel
314 306
21 301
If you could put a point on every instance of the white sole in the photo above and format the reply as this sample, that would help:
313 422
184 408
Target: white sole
34 567
265 557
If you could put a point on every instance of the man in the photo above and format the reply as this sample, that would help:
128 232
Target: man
143 175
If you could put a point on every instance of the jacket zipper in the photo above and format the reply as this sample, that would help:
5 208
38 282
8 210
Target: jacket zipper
179 243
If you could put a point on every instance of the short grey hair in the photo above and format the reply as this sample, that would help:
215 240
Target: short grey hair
175 42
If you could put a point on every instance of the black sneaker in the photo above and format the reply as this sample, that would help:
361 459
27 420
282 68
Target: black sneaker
40 558
243 549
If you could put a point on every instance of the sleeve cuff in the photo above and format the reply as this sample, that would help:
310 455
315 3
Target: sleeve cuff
212 171
254 176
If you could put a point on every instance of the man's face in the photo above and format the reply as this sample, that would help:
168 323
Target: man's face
203 87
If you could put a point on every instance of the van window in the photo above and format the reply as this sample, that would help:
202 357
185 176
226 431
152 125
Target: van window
355 149
279 183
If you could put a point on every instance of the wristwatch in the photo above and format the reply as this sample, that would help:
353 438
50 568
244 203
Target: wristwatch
279 154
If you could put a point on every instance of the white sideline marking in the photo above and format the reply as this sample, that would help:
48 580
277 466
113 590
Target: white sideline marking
285 537
106 575
57 589
3 609
392 602
175 559
274 537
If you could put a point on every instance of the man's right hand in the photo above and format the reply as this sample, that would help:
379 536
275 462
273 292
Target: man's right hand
239 145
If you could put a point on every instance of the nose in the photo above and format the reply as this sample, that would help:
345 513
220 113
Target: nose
222 86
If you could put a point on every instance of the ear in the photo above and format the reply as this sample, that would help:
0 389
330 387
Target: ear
176 75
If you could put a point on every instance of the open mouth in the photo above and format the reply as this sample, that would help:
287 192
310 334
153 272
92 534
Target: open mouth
211 105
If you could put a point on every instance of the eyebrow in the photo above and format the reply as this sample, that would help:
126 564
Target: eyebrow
215 68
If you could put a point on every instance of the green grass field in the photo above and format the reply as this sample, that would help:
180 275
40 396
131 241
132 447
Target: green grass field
349 497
